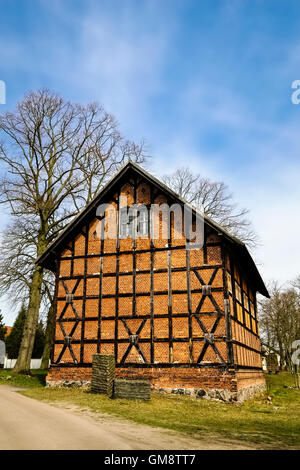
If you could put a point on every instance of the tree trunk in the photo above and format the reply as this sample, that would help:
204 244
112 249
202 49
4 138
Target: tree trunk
32 317
281 354
31 322
49 337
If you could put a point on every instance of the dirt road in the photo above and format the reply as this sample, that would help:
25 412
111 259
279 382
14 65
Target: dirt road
29 424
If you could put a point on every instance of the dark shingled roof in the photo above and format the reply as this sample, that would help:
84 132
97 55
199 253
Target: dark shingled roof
47 258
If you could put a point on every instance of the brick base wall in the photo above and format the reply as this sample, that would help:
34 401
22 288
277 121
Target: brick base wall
249 383
58 376
247 378
185 377
200 382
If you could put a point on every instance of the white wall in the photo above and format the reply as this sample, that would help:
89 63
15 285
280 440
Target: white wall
10 363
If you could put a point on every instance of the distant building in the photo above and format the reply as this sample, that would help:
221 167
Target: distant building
270 359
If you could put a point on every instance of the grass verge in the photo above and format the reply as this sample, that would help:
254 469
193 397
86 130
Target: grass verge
37 379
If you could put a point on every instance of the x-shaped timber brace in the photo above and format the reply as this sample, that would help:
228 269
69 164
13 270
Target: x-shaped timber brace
68 338
209 339
134 338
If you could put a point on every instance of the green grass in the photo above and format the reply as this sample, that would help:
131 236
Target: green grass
274 423
268 424
35 380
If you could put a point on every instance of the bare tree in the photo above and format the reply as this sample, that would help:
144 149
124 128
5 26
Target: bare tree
56 155
17 256
216 201
280 321
296 285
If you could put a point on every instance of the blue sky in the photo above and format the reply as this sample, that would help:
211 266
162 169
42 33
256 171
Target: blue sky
206 83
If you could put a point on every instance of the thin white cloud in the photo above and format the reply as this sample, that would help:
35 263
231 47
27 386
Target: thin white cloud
121 72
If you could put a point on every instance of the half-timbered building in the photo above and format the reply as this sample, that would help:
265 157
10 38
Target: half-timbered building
182 316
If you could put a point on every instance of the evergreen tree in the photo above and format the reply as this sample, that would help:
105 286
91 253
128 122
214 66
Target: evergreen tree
13 341
2 329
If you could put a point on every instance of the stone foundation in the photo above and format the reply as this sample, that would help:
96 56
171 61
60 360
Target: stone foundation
216 394
68 383
249 392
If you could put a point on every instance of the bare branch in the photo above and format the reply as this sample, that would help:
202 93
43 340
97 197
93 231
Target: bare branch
215 200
